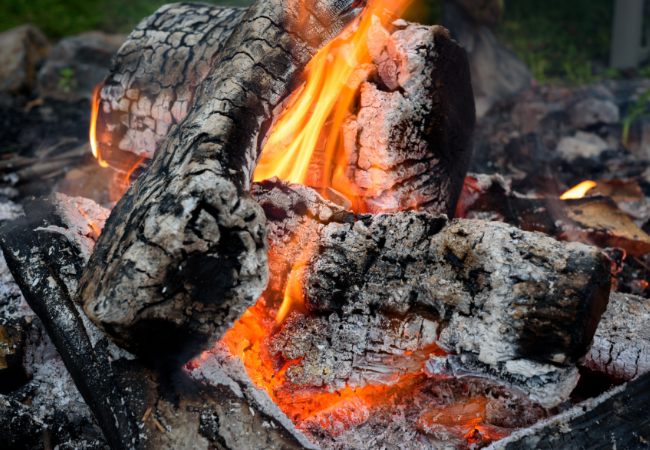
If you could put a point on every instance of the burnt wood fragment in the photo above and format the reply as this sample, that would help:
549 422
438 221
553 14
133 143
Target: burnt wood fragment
618 419
213 404
593 220
183 253
621 347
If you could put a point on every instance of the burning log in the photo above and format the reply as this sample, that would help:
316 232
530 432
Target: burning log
616 419
384 292
150 283
399 137
136 407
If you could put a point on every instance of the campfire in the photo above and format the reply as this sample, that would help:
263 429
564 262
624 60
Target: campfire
281 267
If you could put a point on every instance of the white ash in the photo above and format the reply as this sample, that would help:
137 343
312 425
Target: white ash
219 367
546 384
83 219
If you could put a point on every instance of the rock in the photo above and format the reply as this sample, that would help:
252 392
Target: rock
593 111
582 145
21 49
497 74
75 66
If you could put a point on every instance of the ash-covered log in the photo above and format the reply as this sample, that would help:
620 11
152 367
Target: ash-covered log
136 407
154 77
621 347
520 308
183 253
405 143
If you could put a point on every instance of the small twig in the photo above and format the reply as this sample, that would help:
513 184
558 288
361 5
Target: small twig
146 415
640 262
47 440
159 426
62 142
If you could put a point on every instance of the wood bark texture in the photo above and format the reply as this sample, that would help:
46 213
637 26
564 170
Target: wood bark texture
183 253
214 404
520 308
621 347
154 77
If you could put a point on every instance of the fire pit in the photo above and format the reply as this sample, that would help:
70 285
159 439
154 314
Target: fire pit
280 267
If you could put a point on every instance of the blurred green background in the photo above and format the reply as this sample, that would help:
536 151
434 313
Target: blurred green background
565 39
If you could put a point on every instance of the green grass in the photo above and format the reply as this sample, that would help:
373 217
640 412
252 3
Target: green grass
59 18
557 39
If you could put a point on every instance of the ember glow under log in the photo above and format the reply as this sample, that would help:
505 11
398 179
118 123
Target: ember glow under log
383 292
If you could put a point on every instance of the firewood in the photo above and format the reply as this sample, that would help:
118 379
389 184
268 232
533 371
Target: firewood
215 404
183 253
621 347
516 307
155 74
406 144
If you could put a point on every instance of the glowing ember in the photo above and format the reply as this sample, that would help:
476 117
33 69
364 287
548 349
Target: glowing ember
578 191
95 228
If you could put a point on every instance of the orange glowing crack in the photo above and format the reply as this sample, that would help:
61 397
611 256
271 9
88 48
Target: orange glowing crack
95 228
578 191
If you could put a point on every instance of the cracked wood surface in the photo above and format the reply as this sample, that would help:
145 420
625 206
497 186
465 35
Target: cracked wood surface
621 346
214 404
183 253
154 77
515 307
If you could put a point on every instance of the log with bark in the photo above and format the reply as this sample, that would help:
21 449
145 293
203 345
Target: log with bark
154 77
406 142
136 407
183 253
520 308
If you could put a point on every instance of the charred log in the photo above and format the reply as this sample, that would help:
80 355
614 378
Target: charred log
617 419
154 77
517 307
183 253
621 347
136 407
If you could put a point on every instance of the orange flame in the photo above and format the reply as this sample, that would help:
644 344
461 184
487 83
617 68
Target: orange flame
95 228
578 191
93 126
327 95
